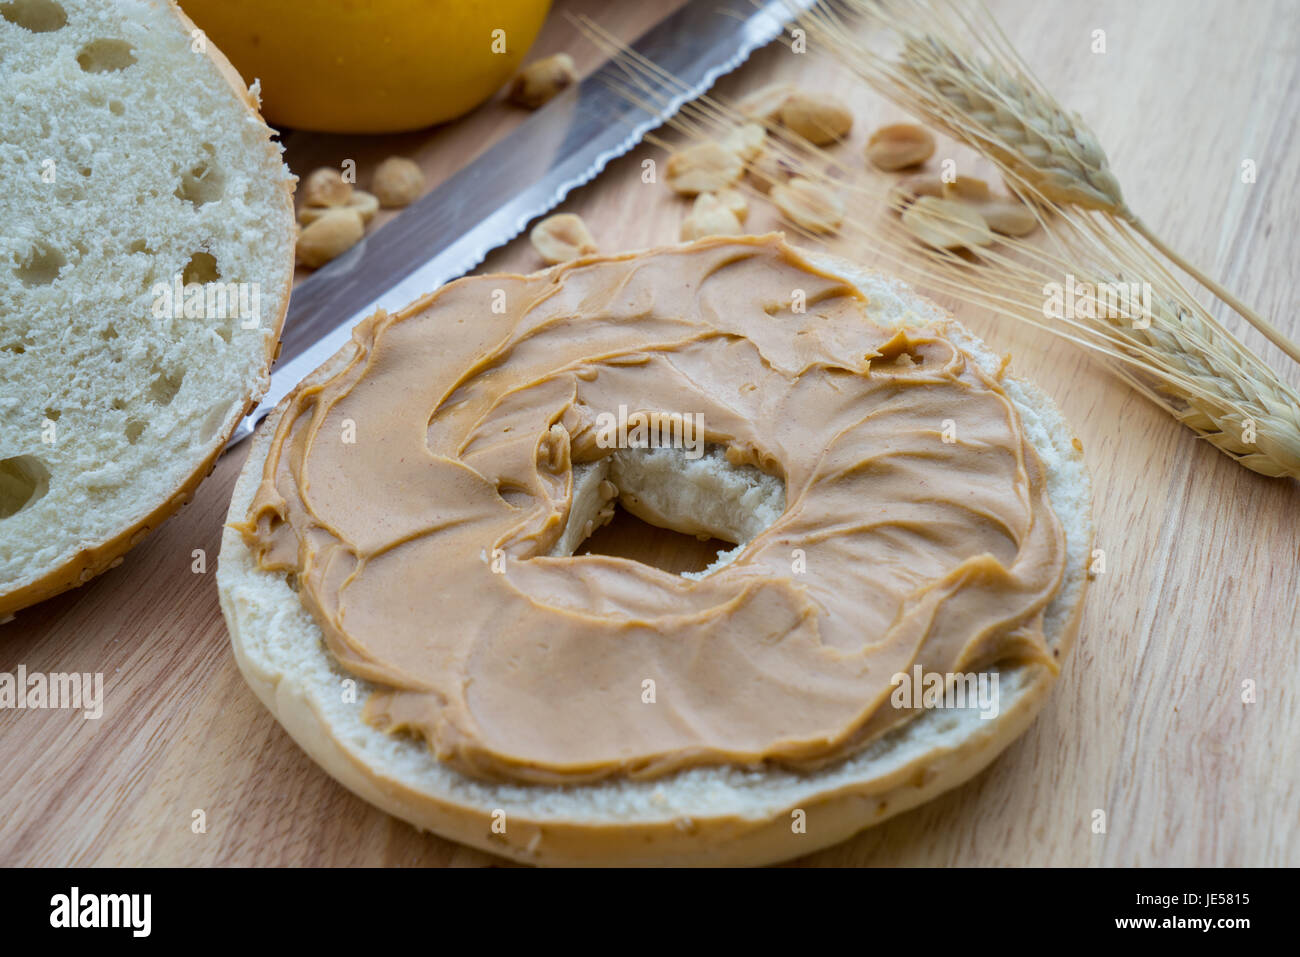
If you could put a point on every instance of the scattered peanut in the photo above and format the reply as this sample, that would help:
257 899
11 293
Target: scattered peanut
562 238
333 234
819 119
809 204
398 182
703 168
365 204
735 201
1004 215
1009 217
899 145
946 224
972 189
911 188
768 170
710 216
325 187
765 105
745 141
542 79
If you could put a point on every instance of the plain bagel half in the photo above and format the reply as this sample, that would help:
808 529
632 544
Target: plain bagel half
712 814
145 266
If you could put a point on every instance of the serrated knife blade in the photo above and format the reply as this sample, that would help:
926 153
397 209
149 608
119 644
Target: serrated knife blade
450 230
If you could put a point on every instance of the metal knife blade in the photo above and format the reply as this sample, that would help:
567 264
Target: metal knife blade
559 148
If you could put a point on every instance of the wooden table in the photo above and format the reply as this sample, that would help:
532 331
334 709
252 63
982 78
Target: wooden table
1147 722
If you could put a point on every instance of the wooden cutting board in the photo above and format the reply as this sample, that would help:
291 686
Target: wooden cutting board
1147 722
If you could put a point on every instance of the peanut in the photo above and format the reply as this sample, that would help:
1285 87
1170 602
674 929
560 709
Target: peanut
768 170
809 204
972 189
543 79
745 141
946 224
899 145
1007 216
764 105
703 168
735 201
398 182
325 187
562 238
710 216
819 119
365 204
911 188
333 234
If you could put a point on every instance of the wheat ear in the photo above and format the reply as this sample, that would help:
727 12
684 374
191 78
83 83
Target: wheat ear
993 103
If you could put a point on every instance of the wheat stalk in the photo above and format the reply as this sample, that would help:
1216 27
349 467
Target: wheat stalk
1203 376
993 103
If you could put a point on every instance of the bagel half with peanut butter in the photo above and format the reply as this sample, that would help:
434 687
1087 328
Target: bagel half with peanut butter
401 577
145 263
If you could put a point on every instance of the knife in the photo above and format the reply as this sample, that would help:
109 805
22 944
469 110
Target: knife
566 144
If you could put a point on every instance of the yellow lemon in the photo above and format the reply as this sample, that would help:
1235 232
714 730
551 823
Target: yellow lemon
371 66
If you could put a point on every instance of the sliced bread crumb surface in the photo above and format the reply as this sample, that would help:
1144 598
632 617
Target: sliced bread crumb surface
129 164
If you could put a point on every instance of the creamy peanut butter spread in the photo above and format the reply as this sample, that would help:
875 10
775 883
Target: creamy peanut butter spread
416 495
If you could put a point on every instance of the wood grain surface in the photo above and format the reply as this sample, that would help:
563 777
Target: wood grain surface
1147 722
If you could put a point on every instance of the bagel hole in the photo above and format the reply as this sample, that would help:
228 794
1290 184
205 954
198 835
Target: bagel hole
661 507
627 536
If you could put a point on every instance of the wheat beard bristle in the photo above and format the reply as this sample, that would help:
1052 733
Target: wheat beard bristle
1221 391
1184 361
